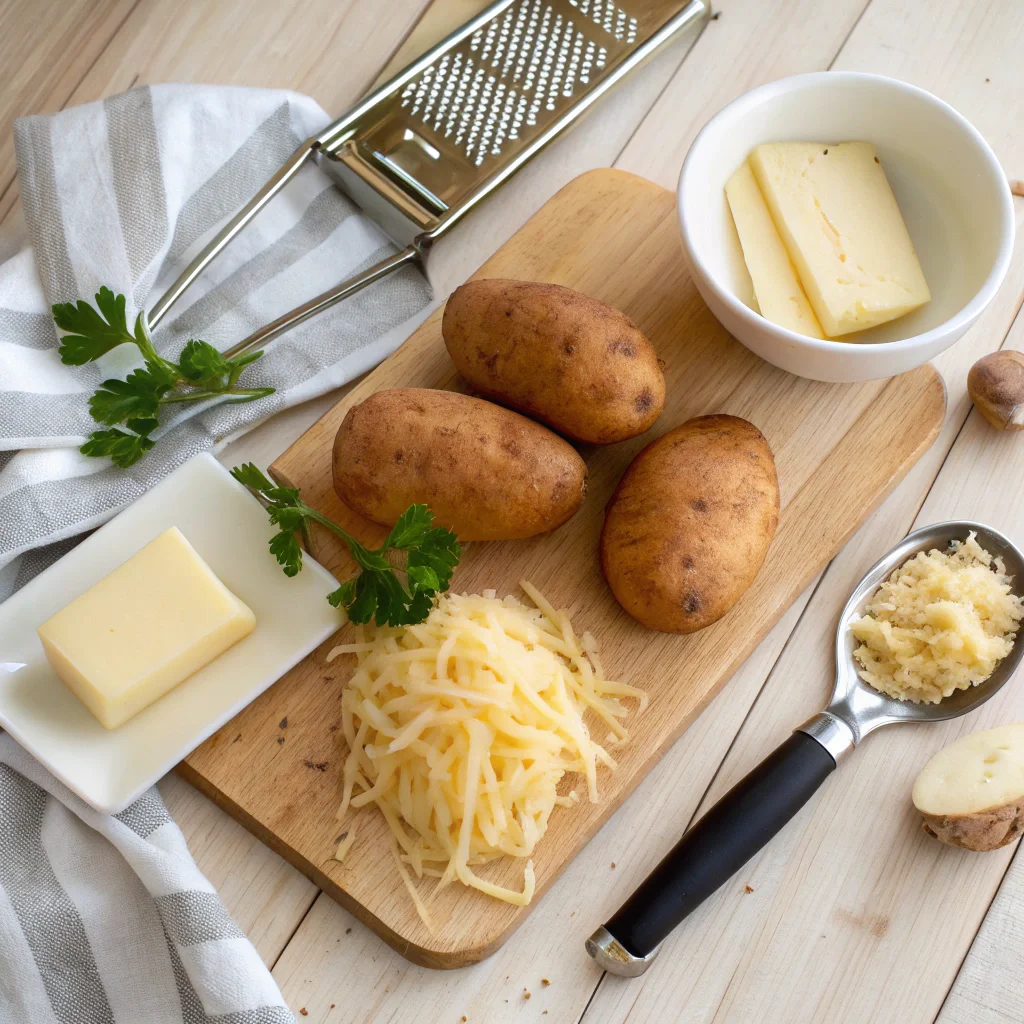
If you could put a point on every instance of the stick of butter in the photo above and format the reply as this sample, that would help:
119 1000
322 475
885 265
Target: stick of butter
777 288
839 220
142 630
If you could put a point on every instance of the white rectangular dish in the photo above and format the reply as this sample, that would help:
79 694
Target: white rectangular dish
230 530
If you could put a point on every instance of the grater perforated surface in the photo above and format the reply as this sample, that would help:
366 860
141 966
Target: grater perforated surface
530 60
434 141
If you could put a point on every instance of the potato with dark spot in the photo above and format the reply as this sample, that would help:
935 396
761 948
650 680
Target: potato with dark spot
557 355
689 525
486 472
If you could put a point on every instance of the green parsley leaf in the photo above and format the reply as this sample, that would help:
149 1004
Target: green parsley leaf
137 396
142 424
200 373
423 577
200 362
285 548
343 596
439 551
410 529
376 593
121 448
252 477
91 333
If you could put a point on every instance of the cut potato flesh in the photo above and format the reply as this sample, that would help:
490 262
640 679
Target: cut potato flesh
971 794
980 771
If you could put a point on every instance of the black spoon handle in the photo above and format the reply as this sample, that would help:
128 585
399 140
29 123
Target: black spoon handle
739 825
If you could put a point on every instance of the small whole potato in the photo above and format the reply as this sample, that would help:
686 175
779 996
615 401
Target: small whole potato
996 385
581 367
486 472
690 522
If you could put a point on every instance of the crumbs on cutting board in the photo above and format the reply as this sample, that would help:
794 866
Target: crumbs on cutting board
748 888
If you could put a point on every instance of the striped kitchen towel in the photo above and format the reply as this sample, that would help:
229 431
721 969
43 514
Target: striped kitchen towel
107 920
123 193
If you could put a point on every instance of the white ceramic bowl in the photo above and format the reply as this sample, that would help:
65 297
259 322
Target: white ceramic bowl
950 188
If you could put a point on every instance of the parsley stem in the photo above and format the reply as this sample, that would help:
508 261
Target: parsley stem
312 513
197 396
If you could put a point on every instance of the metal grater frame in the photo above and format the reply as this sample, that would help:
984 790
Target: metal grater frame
425 148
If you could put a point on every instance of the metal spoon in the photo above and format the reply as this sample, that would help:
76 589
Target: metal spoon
757 807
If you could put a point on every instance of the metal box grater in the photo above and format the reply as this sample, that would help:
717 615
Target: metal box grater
422 150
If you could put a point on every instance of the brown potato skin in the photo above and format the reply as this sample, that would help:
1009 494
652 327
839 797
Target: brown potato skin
559 356
486 472
689 525
979 831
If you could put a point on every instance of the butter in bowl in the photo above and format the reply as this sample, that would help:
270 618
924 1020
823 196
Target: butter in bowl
823 238
927 232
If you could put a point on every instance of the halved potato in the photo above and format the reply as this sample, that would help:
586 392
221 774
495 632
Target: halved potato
971 793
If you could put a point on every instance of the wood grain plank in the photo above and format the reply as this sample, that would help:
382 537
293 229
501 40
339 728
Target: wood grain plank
329 49
757 43
46 47
987 986
851 868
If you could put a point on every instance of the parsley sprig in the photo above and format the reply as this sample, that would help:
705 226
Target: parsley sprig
431 554
201 372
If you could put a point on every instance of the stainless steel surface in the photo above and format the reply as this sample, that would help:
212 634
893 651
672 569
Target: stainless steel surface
832 733
281 177
862 709
325 300
422 150
615 958
438 141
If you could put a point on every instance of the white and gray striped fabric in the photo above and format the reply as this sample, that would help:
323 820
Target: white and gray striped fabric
107 920
123 193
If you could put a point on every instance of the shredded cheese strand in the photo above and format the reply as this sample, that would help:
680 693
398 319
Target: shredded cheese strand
461 728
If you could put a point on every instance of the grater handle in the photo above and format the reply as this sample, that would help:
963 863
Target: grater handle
280 178
325 300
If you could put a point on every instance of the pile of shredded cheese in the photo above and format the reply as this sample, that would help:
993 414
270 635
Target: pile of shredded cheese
941 622
461 728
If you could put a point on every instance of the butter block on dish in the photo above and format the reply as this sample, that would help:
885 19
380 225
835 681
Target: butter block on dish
780 296
836 214
154 621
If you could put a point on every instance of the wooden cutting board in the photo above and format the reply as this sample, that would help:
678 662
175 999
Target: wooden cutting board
840 449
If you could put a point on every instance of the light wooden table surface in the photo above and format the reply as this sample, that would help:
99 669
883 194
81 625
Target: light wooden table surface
855 915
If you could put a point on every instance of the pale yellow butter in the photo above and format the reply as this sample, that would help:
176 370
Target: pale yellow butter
777 288
839 220
139 632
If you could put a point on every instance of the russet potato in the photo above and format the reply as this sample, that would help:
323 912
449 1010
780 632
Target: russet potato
690 522
581 367
486 472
